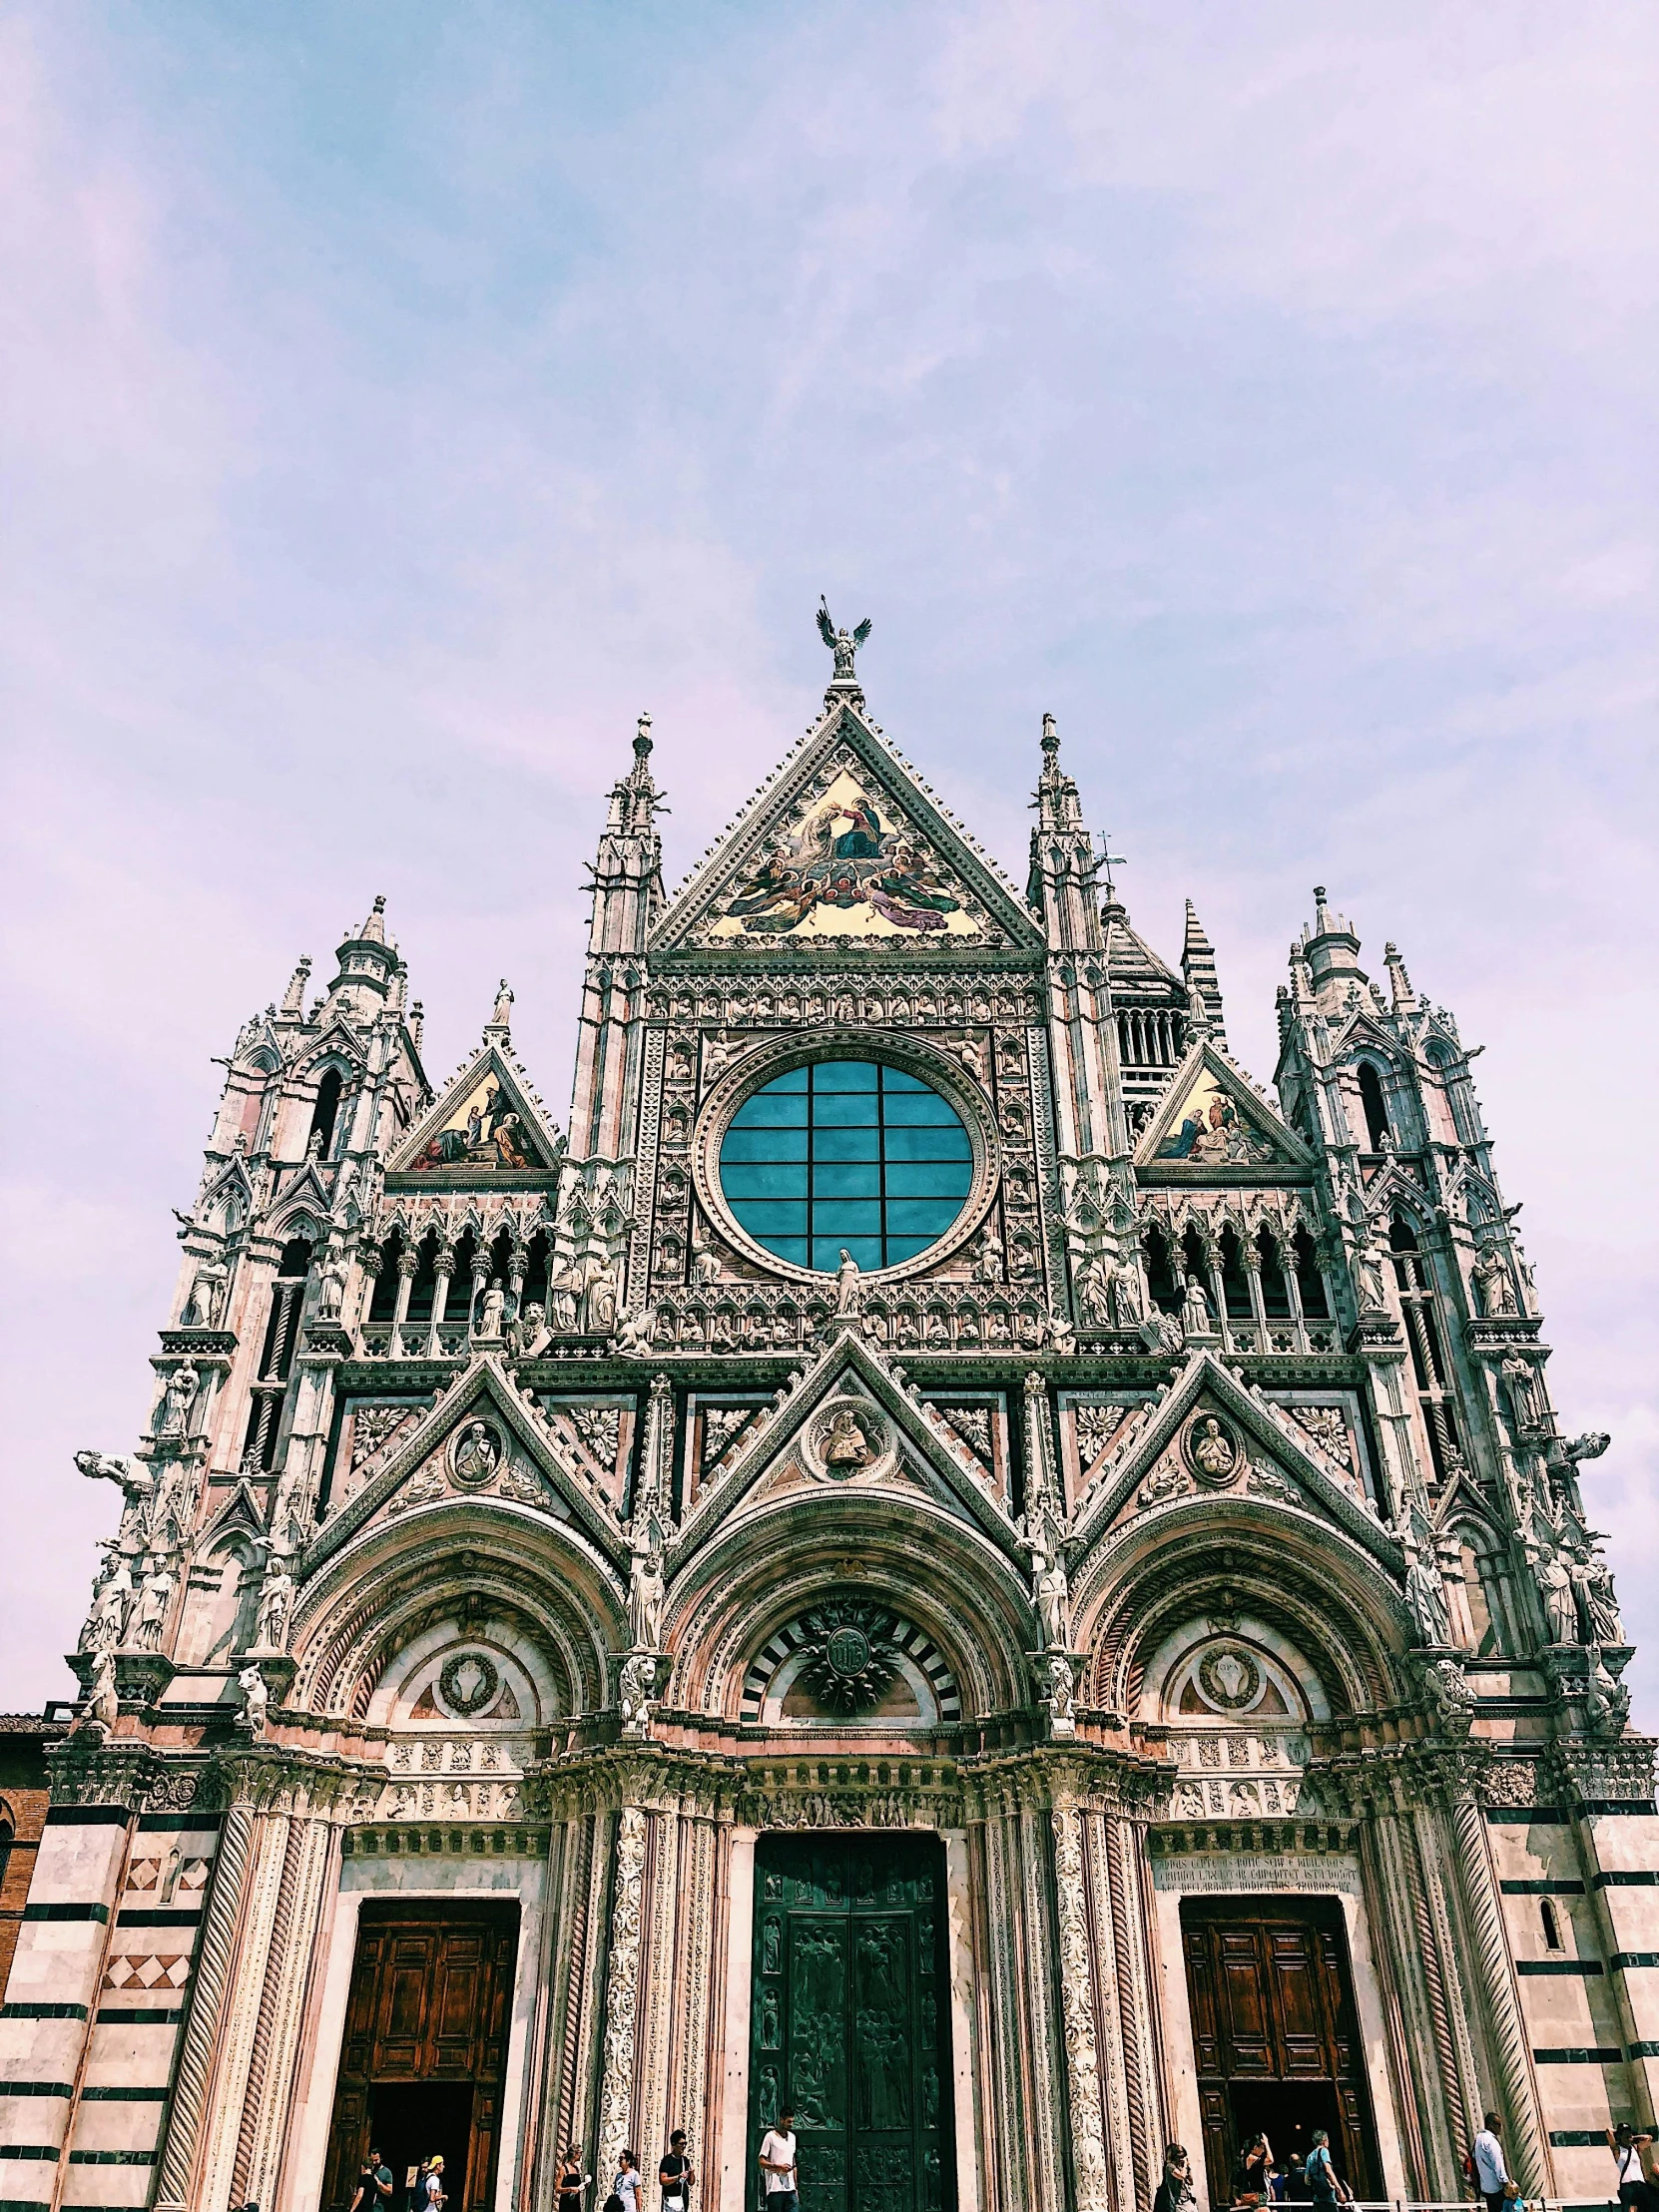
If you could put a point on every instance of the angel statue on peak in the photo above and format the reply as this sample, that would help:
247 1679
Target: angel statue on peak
843 644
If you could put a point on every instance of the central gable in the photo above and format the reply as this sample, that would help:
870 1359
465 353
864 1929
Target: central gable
844 846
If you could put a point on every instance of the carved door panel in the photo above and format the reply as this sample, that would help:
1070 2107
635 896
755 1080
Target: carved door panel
848 2024
426 2034
1274 2033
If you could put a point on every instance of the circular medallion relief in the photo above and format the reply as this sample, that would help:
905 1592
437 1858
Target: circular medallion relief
850 1437
1229 1679
468 1682
1212 1451
851 1658
475 1455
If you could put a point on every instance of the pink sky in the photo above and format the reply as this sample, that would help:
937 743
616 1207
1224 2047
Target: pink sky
397 400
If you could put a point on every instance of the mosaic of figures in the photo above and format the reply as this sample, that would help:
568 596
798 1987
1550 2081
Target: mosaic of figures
849 865
1213 1128
485 1132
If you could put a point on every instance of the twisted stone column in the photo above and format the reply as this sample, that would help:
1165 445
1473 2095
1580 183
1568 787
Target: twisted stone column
1527 2144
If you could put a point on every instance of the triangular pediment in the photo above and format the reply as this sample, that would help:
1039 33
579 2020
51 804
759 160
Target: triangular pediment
1213 1117
479 1445
487 1123
848 1425
1211 1439
336 1043
845 846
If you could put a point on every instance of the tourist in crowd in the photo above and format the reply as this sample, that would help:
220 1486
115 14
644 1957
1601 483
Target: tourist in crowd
1631 2151
780 2181
625 2190
1491 2175
674 2175
374 2187
571 2180
1325 2186
1250 2176
1175 2193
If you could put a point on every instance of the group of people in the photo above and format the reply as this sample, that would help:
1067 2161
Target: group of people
423 2186
1258 2178
676 2180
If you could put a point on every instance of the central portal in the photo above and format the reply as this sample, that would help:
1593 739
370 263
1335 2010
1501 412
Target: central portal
848 2019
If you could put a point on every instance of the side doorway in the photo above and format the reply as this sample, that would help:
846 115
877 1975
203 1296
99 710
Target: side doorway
850 2019
424 2051
1276 2034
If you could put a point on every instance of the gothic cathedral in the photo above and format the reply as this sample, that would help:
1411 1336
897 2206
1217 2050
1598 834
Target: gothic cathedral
936 1560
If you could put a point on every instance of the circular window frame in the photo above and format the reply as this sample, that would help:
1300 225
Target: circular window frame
758 1068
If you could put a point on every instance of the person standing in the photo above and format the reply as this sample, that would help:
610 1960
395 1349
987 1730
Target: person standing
628 2183
1636 2190
1491 2175
1175 2193
570 2181
374 2187
1250 2177
780 2180
675 2177
1324 2187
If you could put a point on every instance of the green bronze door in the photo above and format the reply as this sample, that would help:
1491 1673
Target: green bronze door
850 2019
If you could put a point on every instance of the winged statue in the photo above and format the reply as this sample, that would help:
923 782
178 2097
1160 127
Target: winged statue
842 643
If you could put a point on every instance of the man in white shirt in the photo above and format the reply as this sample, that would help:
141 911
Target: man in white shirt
1490 2174
778 2165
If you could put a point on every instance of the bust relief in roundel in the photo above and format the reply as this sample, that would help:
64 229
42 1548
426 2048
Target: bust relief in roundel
475 1454
848 1437
1212 1451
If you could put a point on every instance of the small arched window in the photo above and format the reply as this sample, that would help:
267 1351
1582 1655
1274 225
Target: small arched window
1310 1282
1276 1297
1415 1282
288 1297
1235 1283
1552 1925
1377 1132
326 1112
383 1305
1160 1273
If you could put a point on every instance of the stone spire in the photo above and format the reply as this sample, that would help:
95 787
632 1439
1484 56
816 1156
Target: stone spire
1197 972
1060 885
627 897
1399 983
1331 953
367 963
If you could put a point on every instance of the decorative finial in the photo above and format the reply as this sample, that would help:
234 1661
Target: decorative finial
642 739
1051 736
842 644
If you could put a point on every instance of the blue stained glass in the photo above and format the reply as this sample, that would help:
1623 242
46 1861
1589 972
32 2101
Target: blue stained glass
846 1154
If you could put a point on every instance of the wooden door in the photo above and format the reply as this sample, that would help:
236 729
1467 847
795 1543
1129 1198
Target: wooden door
849 2020
1274 2033
430 2000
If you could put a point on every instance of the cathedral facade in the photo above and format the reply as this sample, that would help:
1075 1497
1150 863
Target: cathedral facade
936 1559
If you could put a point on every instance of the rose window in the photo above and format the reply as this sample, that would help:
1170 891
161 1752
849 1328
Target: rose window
846 1155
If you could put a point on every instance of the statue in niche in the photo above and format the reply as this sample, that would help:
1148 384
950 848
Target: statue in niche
275 1601
101 1707
563 1291
177 1401
1595 1586
1425 1594
599 1303
477 1454
1195 1310
332 1289
1557 1587
1368 1279
1496 1284
492 1308
1094 1291
206 1304
706 1267
646 1592
1526 1394
1059 1694
527 1332
849 1292
154 1598
105 1626
1053 1591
